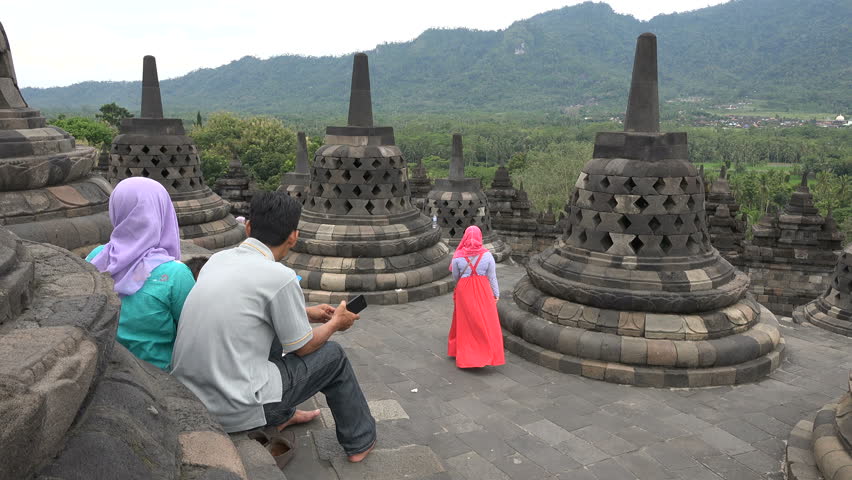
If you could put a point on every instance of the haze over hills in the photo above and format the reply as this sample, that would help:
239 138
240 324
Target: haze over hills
791 53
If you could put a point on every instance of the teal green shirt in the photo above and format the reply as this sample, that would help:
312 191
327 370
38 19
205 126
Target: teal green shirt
148 321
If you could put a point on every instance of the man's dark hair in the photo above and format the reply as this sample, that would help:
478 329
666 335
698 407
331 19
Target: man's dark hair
273 216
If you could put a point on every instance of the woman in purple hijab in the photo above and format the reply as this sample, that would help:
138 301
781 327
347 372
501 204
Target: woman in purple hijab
143 258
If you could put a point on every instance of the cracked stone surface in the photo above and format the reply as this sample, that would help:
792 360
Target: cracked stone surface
524 421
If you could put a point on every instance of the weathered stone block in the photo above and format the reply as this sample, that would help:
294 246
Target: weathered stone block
45 374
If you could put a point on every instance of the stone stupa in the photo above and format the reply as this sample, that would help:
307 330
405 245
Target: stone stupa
727 232
235 187
297 182
459 202
420 184
158 148
833 309
48 192
633 292
791 256
822 448
360 233
511 214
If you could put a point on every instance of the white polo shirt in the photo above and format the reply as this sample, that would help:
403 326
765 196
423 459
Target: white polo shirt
242 299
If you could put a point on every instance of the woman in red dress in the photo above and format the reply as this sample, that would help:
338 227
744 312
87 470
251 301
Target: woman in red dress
475 338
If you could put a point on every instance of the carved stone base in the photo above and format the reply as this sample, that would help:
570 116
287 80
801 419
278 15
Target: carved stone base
738 344
821 449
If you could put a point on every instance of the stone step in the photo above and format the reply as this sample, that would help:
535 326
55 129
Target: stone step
258 462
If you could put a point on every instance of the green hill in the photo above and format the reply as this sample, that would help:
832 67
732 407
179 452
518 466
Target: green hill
789 53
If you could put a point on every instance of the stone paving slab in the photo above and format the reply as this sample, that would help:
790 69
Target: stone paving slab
524 421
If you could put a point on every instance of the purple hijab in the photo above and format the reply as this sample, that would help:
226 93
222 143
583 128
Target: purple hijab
145 233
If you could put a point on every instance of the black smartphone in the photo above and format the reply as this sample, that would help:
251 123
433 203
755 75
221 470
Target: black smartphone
356 304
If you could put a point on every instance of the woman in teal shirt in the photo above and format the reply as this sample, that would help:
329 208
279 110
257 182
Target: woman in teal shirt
142 257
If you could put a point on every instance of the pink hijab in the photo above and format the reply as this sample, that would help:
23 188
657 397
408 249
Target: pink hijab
470 245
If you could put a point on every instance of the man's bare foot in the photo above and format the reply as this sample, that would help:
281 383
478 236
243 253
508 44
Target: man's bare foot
361 456
301 416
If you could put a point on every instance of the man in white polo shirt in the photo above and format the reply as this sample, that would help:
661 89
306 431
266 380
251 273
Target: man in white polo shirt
245 312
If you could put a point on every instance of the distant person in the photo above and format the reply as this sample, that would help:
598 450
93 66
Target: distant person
475 338
245 312
142 257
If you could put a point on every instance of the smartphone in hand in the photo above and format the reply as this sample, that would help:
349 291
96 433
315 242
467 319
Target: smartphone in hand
356 304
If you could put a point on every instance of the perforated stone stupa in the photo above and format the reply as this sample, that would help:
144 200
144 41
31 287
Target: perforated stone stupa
158 148
727 232
420 184
297 182
47 190
359 232
235 187
833 309
791 256
633 292
459 202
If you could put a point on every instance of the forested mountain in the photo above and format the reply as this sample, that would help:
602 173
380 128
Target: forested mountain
791 53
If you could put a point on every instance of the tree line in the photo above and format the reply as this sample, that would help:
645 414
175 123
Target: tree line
543 152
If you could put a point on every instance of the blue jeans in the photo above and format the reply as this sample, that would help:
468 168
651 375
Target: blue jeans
326 370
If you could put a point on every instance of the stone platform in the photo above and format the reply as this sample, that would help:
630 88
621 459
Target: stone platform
527 422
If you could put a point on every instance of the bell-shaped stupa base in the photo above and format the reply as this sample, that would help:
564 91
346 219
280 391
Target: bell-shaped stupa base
359 233
822 448
633 292
155 147
458 202
833 309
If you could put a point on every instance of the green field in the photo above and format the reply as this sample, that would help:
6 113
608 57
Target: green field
758 108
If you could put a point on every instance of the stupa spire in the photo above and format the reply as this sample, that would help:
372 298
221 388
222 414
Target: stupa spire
643 105
152 104
301 153
457 159
803 185
360 102
10 94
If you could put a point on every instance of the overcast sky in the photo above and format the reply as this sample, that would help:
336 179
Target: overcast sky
60 42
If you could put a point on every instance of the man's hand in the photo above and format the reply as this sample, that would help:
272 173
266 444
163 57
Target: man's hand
343 318
320 313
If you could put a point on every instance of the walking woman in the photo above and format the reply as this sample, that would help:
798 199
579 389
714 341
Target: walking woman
475 338
142 257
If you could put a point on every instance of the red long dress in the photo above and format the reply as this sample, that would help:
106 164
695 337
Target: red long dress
475 338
